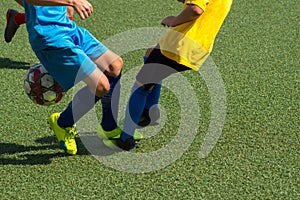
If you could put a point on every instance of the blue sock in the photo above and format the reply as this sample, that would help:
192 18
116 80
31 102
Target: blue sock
134 111
110 104
82 102
153 97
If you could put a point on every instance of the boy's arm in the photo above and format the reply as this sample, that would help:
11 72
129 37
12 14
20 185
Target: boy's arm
190 13
82 7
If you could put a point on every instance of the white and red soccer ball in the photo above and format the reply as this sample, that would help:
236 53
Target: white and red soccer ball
40 86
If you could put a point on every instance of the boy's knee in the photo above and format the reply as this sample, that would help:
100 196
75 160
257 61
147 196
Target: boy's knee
102 88
116 67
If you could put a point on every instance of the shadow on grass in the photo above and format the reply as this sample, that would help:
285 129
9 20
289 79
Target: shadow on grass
16 154
10 64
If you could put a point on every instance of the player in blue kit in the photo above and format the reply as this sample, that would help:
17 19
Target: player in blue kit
15 19
71 54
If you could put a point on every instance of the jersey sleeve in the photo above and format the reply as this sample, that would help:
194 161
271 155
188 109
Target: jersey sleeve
201 3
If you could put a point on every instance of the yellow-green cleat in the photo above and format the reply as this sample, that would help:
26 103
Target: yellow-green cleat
65 136
116 133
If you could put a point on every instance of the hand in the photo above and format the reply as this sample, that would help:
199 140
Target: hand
83 8
70 11
169 21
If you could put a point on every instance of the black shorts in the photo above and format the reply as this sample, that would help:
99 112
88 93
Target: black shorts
157 68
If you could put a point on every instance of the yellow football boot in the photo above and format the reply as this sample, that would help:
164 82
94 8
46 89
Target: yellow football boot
116 133
65 136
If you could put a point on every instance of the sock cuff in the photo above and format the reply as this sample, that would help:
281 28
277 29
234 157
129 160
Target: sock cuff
20 18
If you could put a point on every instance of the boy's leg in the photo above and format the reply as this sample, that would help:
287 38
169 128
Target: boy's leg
156 69
151 117
69 66
134 110
13 20
151 112
148 78
84 100
98 82
98 86
111 64
110 104
63 123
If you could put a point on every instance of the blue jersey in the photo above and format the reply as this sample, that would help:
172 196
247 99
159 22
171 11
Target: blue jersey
47 25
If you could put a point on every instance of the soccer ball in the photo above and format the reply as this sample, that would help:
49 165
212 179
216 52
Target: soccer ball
40 86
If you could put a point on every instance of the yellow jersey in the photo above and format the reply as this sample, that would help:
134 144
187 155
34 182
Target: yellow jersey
190 43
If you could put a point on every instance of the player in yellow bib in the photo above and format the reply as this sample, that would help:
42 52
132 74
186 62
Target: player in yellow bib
191 38
186 46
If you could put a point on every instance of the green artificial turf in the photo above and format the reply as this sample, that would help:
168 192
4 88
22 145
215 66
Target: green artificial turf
256 156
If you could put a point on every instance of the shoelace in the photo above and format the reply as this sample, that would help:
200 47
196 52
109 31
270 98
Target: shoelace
71 133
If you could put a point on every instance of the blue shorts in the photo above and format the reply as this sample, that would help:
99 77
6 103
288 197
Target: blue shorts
72 63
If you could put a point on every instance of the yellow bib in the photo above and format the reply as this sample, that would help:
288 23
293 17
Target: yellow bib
190 43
